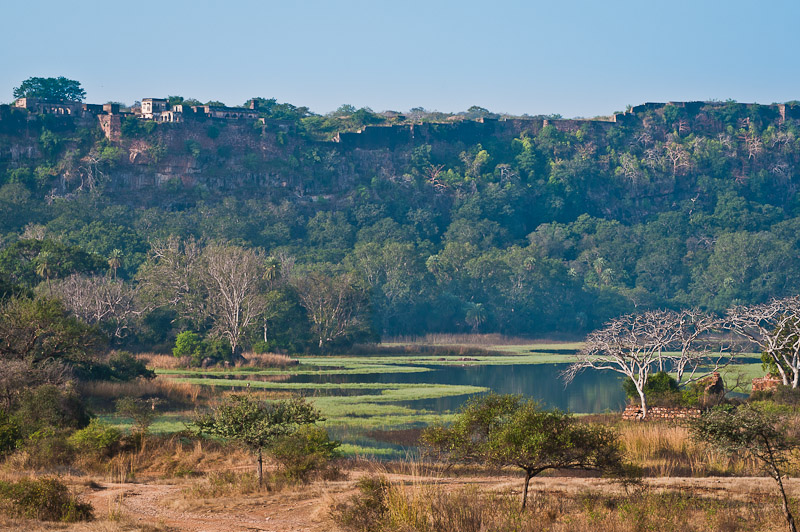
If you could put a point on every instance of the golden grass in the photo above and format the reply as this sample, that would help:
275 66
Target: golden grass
164 387
666 449
251 360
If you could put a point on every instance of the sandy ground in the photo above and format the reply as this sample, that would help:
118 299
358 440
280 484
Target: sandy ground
306 508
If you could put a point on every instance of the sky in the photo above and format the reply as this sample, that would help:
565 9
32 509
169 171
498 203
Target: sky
577 58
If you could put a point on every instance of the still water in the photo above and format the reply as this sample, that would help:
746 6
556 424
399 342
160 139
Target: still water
590 392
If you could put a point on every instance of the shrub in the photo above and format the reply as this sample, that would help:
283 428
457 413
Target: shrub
186 344
97 439
304 452
46 499
126 367
261 347
366 510
46 448
10 434
51 406
661 389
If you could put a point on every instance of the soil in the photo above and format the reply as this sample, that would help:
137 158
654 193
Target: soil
306 508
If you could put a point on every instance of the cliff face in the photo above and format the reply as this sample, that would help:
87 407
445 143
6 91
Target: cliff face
64 154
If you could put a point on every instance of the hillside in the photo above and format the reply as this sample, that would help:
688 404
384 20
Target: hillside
464 222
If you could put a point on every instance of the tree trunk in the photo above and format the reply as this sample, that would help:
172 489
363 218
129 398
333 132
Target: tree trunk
785 502
643 399
260 469
528 476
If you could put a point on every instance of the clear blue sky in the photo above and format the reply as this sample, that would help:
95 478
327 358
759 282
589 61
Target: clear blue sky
577 58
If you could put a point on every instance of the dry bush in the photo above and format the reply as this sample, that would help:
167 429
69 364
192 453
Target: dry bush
266 360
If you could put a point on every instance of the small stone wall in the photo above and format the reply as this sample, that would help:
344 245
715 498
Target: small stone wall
766 383
634 413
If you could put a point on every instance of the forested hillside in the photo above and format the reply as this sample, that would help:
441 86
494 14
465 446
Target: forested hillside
468 222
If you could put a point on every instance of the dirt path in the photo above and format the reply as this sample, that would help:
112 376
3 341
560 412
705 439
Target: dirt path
306 509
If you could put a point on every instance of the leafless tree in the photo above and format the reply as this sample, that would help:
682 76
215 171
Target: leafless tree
235 282
775 328
171 278
693 346
111 303
661 340
334 304
19 375
620 346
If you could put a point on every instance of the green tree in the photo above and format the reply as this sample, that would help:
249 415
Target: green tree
509 431
256 424
115 260
756 432
59 88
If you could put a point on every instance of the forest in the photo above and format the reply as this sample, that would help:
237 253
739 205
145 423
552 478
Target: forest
549 231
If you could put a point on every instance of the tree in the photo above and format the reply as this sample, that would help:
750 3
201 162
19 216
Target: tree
509 431
256 424
115 261
753 431
59 88
110 303
620 346
41 330
775 328
335 306
234 279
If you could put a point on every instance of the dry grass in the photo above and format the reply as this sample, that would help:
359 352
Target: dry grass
408 507
666 449
267 360
162 387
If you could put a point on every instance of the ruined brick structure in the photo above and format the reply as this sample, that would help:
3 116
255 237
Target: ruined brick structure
766 383
634 413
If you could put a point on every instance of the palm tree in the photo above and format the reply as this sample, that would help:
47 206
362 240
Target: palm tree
115 260
476 315
44 267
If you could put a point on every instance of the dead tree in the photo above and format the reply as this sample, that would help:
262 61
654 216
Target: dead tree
775 328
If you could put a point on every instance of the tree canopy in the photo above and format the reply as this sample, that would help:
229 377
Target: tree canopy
59 88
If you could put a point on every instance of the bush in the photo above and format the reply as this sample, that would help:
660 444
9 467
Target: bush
304 452
261 347
46 448
189 344
10 434
126 367
661 389
50 406
45 499
97 439
366 510
186 344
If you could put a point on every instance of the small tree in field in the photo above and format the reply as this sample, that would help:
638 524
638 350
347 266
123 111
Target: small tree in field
509 431
256 424
749 430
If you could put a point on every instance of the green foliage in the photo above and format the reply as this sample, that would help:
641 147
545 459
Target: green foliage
141 411
10 434
45 499
308 450
256 424
59 88
41 330
96 439
50 407
47 448
659 385
509 431
186 343
189 344
126 367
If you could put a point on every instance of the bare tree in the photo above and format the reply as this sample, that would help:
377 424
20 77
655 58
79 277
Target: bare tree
694 347
111 303
775 328
171 278
625 346
335 306
234 280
